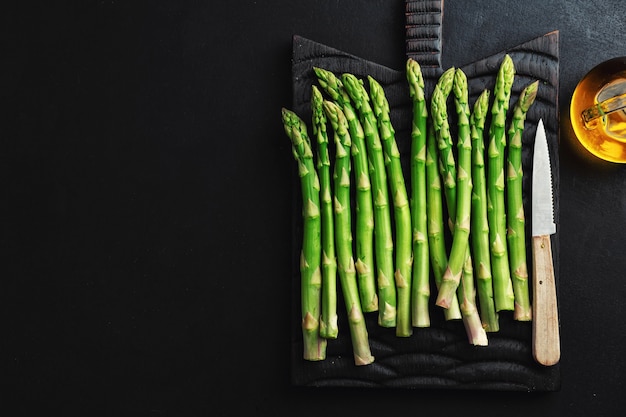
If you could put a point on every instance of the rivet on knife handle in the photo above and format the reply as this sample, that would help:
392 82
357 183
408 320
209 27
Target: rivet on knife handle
546 343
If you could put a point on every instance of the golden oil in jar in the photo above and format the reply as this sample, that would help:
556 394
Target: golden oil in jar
598 110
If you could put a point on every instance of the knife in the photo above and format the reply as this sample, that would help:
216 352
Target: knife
546 343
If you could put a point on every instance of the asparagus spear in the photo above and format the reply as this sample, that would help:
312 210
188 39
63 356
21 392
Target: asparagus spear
328 321
402 214
448 171
480 225
343 237
383 243
310 258
420 289
515 205
434 207
461 218
466 291
364 232
447 164
496 210
436 142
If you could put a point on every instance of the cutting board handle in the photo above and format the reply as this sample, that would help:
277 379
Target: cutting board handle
424 21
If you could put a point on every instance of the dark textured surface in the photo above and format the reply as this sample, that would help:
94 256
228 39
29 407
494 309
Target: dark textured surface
145 262
438 357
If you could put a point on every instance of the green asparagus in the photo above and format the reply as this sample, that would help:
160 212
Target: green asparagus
447 164
515 205
343 237
480 225
310 258
383 241
402 213
466 291
328 322
461 218
364 231
420 287
434 207
496 210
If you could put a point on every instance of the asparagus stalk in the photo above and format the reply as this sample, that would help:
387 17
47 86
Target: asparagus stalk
310 258
515 205
471 319
402 213
364 232
420 289
480 226
434 214
496 210
343 237
459 250
383 242
447 164
466 290
328 321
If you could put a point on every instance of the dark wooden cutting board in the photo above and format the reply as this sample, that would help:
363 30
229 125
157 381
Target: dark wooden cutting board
439 356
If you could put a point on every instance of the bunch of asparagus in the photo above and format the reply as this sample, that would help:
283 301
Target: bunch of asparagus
389 265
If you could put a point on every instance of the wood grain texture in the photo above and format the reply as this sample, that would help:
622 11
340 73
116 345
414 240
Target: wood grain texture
439 356
546 341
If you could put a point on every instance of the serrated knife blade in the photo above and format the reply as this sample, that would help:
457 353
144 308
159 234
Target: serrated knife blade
546 341
542 202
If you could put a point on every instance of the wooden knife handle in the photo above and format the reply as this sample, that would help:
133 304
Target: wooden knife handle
546 343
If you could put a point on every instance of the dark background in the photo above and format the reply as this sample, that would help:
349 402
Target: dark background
146 195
